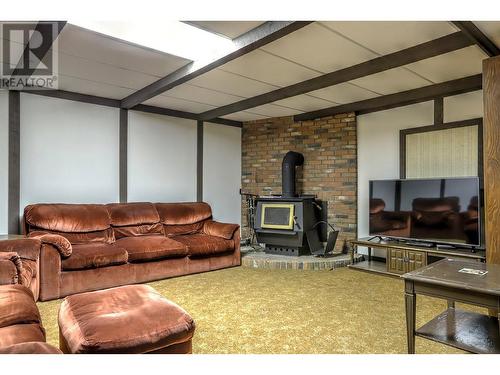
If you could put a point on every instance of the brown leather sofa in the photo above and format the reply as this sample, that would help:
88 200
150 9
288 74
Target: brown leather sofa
89 246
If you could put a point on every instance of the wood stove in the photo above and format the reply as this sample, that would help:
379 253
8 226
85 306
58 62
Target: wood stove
287 224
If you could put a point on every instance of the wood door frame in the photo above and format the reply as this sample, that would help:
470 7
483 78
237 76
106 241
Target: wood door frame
403 133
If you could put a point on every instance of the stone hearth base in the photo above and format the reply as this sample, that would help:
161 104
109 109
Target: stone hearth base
256 258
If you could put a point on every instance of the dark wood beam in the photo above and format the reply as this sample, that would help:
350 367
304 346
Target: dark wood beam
99 100
438 111
248 42
406 56
57 28
380 103
13 204
199 162
491 152
123 168
472 32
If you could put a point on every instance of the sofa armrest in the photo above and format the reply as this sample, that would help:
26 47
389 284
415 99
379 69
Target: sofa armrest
26 248
61 243
10 268
223 230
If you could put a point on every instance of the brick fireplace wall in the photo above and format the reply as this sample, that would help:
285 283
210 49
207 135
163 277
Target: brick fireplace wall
330 168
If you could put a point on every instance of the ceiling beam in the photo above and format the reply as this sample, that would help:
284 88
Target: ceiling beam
406 56
115 103
248 42
380 103
472 32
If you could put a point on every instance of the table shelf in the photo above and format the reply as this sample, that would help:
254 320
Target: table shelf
466 330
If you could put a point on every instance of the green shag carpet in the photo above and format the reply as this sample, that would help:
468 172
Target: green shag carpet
245 310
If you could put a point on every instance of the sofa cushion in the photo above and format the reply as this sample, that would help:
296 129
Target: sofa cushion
124 214
19 333
436 204
68 217
17 306
94 256
151 247
128 319
203 245
183 213
176 230
138 230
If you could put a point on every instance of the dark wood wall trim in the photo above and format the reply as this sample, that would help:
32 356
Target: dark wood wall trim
472 32
403 133
123 169
381 103
491 136
14 195
438 111
199 162
248 42
406 56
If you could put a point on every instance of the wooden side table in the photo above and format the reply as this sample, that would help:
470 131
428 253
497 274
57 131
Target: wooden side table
461 281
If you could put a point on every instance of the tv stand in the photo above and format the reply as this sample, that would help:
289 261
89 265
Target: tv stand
403 257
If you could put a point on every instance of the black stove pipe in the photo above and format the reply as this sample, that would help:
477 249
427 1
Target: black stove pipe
291 160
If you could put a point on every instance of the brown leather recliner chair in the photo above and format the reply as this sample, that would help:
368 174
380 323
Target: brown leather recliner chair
21 330
388 223
88 247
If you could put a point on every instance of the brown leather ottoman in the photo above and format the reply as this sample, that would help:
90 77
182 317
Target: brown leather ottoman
128 319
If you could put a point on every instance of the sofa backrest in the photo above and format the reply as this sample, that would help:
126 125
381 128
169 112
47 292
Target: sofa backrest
79 223
134 219
84 223
183 218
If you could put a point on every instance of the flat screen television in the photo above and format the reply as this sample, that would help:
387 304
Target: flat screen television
439 210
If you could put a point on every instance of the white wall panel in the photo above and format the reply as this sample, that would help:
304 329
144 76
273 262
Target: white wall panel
161 158
378 149
464 106
222 171
69 151
4 159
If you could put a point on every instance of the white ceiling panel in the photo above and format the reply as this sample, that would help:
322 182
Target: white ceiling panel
202 95
386 37
452 65
230 29
105 73
305 103
391 81
464 106
317 47
274 110
343 93
491 29
178 104
80 42
82 86
231 83
267 68
245 116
